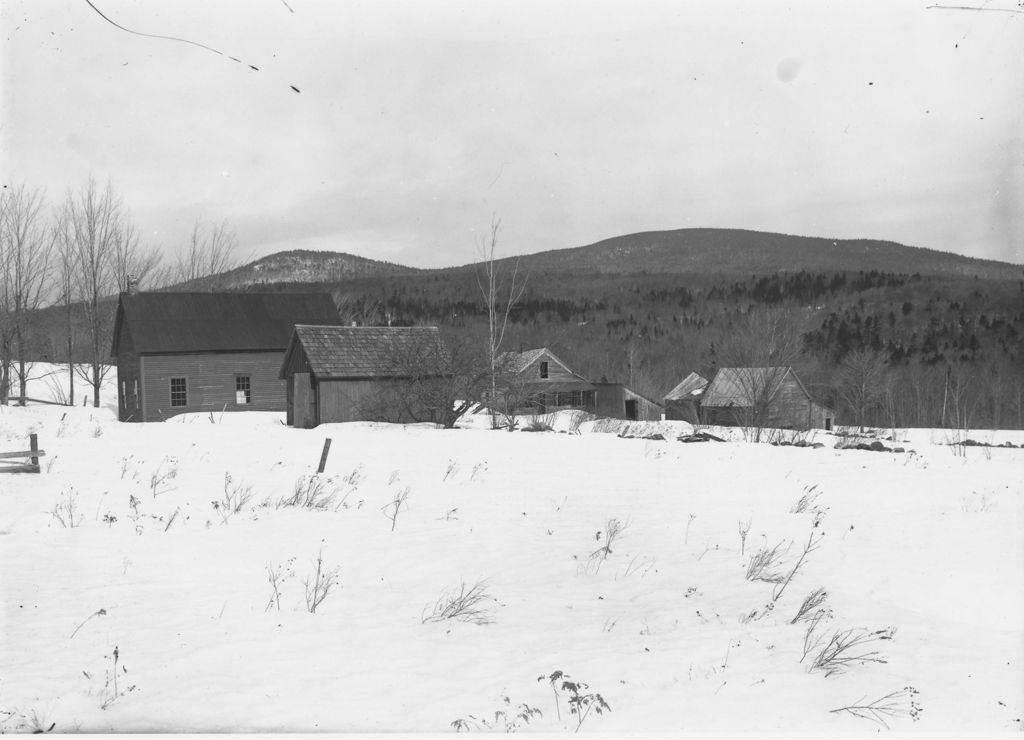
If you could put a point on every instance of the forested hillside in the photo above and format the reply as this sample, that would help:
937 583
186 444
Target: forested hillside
938 339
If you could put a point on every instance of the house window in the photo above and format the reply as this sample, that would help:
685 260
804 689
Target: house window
569 398
243 390
179 392
543 369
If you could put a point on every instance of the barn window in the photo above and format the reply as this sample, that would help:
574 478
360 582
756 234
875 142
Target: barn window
543 369
243 389
135 392
179 392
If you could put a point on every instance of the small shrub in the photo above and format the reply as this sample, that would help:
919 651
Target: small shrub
320 584
506 718
613 529
393 507
765 564
900 703
234 499
311 492
159 480
450 470
66 510
847 648
806 501
581 700
111 691
276 577
538 425
461 604
744 530
810 605
356 476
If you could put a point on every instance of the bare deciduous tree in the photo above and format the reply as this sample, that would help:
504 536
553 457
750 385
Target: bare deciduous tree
760 348
93 226
501 292
432 380
210 250
862 381
26 246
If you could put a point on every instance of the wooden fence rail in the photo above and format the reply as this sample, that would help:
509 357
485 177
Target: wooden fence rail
7 459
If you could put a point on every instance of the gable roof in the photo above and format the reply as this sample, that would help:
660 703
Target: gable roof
693 385
517 362
210 322
737 386
359 351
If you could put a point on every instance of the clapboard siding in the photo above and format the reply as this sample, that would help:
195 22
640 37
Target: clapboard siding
344 400
557 372
360 400
788 408
611 402
211 382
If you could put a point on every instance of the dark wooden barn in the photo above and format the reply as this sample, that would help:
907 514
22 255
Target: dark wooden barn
186 352
342 373
764 397
683 402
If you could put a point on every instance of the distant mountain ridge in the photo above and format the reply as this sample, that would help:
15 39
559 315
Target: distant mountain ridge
297 266
741 252
727 252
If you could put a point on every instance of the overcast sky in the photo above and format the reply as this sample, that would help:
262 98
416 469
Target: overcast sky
573 121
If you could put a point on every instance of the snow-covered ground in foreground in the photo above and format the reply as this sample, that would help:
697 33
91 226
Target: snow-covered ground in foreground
925 547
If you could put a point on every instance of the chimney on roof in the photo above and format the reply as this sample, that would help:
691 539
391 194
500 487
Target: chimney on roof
131 285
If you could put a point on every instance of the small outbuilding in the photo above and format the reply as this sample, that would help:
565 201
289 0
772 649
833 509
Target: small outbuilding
617 401
763 397
683 402
342 373
188 352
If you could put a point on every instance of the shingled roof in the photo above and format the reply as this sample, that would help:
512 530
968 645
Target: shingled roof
359 351
210 322
691 387
739 386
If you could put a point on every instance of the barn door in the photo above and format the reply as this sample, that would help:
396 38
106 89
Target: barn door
631 412
303 402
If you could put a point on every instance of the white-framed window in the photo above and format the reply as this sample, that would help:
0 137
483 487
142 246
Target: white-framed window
243 390
179 392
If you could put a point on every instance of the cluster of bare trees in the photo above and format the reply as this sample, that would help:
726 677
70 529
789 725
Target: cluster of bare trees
78 254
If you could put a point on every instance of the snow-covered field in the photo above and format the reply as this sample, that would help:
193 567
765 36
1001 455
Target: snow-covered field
163 584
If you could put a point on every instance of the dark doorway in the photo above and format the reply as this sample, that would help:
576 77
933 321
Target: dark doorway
828 424
631 410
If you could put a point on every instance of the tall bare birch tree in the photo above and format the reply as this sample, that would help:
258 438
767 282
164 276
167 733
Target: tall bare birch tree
210 250
94 225
26 246
501 289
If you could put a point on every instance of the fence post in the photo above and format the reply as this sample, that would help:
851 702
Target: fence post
33 445
323 455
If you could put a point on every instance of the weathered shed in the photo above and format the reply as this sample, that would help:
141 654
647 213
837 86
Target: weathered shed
617 401
683 401
764 397
337 373
186 352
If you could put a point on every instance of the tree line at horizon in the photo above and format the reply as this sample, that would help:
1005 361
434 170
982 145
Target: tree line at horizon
925 351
